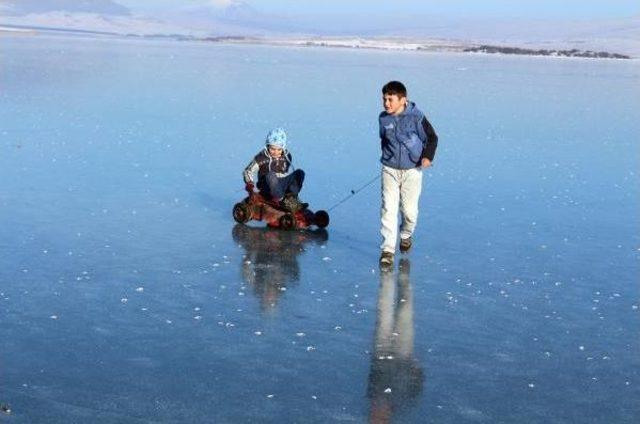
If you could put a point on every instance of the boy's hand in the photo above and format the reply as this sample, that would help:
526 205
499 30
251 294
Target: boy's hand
426 163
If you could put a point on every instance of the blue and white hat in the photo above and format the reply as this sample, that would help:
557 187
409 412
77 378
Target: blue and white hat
277 137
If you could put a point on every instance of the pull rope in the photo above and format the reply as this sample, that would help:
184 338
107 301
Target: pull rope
349 196
354 192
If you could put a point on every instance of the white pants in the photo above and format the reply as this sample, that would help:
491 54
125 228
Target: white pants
400 187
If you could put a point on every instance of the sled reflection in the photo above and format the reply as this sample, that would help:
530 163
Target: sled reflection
395 378
270 264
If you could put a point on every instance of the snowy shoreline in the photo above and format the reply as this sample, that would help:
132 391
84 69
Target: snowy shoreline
429 45
357 43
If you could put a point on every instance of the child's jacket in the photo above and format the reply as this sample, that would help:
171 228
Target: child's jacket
263 163
406 138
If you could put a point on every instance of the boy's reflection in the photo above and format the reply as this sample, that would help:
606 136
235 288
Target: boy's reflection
270 263
395 379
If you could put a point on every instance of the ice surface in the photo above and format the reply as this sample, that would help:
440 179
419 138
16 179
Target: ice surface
128 293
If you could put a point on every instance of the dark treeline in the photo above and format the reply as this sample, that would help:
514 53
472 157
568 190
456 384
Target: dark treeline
545 52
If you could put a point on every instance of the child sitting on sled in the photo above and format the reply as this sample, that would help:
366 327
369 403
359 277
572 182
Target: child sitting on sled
272 165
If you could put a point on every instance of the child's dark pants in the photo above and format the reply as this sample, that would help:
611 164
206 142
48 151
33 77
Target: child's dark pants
273 186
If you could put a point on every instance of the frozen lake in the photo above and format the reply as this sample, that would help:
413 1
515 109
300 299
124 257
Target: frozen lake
128 294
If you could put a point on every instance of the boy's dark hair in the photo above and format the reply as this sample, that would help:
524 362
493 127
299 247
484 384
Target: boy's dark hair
395 87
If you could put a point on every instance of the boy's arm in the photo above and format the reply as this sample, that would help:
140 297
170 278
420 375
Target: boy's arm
249 171
430 144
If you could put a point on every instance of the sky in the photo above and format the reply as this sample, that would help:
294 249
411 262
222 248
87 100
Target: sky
537 9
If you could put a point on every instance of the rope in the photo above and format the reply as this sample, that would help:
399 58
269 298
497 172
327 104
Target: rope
354 192
349 196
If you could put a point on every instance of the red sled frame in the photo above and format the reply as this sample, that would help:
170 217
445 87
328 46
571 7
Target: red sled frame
256 207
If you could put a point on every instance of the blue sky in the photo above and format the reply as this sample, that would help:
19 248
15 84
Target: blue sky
543 9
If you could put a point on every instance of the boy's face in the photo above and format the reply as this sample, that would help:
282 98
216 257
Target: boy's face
393 104
275 151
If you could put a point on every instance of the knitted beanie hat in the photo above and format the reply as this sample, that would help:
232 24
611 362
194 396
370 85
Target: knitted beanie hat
277 137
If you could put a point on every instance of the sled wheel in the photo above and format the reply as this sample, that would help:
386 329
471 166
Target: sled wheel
287 221
321 219
241 213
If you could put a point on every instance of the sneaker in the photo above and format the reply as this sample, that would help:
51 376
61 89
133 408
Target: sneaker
405 245
291 203
386 260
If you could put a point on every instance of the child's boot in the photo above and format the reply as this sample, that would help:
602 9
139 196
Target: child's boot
301 205
289 204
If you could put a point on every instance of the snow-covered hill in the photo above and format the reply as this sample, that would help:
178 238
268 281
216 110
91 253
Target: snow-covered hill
239 19
117 24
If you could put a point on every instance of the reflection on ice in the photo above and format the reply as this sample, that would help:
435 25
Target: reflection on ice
270 262
396 378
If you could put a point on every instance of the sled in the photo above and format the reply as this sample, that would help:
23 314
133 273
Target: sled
257 208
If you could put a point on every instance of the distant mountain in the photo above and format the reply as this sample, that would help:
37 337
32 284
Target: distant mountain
92 22
239 11
238 18
26 7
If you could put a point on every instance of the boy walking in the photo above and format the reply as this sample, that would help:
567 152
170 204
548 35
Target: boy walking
408 143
